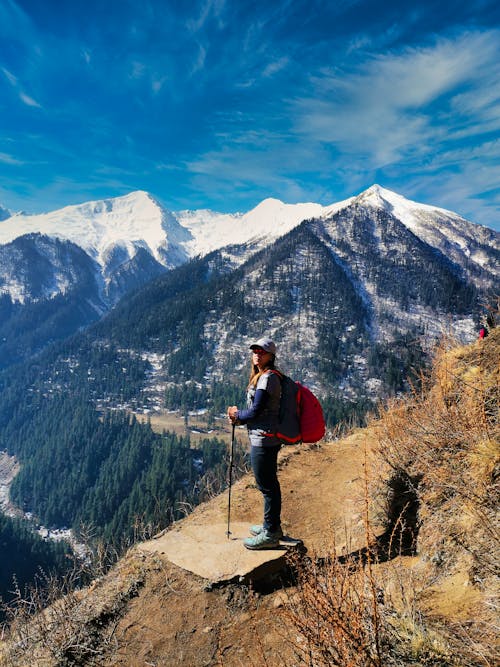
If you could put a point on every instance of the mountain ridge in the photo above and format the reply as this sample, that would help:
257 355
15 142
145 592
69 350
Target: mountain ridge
139 220
127 241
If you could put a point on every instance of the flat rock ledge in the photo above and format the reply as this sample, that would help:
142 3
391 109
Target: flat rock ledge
210 553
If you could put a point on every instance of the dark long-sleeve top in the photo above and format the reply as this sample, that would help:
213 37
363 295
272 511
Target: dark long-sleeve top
262 414
258 406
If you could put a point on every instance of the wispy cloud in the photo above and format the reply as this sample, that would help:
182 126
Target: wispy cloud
14 82
383 110
29 101
10 77
260 161
273 67
9 159
402 115
14 22
199 62
210 9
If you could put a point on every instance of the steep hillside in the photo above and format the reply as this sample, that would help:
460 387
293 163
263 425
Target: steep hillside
410 507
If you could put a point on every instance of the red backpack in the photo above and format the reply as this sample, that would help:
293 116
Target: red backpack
301 415
312 421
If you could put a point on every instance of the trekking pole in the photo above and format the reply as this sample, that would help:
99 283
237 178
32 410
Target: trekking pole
230 481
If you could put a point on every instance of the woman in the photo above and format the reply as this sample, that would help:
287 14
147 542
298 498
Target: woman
261 418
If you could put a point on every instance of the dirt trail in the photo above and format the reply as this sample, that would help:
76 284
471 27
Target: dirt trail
175 620
323 492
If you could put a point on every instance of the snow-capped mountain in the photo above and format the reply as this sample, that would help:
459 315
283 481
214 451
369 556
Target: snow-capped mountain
112 231
107 228
124 242
473 247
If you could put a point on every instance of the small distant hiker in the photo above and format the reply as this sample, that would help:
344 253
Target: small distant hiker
488 323
483 332
261 417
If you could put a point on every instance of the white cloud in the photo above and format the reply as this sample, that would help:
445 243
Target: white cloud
14 81
381 111
10 77
29 101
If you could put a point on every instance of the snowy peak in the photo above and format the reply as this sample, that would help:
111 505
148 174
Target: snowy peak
112 231
375 196
272 218
398 205
461 240
263 224
130 222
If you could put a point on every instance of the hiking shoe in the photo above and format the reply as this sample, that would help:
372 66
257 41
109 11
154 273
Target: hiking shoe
257 530
263 540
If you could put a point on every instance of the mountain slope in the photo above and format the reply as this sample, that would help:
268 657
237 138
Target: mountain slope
330 291
473 247
56 292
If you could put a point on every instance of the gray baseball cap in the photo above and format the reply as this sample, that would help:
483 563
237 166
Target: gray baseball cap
266 344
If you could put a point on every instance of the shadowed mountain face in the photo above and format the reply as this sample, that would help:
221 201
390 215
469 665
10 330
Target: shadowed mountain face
56 290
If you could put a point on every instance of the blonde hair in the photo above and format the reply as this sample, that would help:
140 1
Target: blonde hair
255 373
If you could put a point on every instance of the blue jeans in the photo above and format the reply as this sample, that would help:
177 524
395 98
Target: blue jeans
264 462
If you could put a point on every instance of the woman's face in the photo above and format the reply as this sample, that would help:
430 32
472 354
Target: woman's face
260 357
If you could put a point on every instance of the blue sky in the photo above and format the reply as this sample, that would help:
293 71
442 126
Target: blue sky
222 103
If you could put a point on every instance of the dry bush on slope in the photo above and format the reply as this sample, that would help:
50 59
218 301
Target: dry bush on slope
448 438
56 622
442 445
446 442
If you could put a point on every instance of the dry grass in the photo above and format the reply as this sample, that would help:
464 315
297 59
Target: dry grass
447 440
55 622
336 613
440 450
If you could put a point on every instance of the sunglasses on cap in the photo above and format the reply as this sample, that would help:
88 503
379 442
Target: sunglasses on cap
259 350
